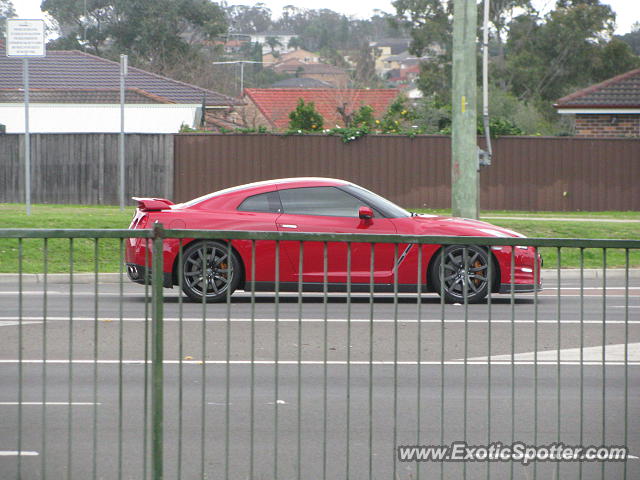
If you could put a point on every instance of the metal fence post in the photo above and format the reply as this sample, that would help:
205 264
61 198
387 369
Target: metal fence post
157 351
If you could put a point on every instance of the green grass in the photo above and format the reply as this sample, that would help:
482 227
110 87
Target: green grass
61 216
630 215
80 216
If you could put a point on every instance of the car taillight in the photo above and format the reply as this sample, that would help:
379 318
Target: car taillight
139 221
142 222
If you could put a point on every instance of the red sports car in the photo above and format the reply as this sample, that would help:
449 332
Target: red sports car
328 206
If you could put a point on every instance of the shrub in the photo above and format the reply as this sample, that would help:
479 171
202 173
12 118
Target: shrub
305 118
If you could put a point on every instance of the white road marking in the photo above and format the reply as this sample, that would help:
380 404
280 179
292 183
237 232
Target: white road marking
613 353
15 453
477 361
30 404
16 322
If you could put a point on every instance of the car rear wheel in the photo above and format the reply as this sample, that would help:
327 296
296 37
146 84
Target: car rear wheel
210 269
464 271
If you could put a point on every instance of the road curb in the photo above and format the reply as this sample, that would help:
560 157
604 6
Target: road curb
80 278
62 278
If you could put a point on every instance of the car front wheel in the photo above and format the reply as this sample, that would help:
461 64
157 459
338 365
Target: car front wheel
464 271
209 269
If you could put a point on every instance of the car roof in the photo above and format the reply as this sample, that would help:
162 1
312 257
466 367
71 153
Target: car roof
300 181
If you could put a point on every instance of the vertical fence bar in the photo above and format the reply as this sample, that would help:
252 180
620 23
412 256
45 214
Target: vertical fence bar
70 377
299 380
203 370
489 288
252 386
43 453
227 387
419 366
180 357
536 274
604 355
370 385
559 342
465 293
94 465
20 372
395 357
157 353
513 354
120 355
442 340
581 356
626 354
145 380
348 398
325 281
276 369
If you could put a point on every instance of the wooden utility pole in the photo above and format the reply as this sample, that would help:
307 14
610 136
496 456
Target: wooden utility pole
464 149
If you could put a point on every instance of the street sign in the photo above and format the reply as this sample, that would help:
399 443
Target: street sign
25 37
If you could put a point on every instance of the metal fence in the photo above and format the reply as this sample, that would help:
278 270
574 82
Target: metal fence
115 380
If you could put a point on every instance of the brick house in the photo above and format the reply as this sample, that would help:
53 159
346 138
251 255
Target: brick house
607 109
270 107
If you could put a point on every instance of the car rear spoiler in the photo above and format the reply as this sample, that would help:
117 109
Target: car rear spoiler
152 204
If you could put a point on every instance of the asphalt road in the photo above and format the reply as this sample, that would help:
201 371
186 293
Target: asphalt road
386 341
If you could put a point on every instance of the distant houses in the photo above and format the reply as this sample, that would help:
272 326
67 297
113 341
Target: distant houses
74 92
270 107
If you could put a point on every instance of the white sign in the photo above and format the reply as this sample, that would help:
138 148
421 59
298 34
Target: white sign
25 38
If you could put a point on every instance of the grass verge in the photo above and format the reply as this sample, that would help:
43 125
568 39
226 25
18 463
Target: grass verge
109 253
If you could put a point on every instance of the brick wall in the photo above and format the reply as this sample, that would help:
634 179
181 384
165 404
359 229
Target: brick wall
607 125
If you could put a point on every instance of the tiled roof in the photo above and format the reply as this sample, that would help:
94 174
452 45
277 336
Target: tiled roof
71 69
308 68
100 96
276 104
301 82
622 91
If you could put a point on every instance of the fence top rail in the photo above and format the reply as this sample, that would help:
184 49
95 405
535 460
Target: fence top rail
74 233
159 231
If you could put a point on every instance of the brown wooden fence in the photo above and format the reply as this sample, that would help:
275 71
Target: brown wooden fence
83 168
528 173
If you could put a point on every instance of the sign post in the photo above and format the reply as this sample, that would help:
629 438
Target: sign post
25 39
124 63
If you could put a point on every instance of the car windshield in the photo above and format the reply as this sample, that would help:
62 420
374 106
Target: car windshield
389 209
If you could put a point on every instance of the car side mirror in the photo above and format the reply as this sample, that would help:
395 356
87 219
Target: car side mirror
365 213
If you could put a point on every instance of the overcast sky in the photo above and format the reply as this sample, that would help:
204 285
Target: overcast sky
628 11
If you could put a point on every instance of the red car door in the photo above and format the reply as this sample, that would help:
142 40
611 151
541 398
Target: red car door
332 210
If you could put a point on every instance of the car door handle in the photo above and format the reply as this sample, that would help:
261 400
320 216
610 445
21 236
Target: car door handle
288 225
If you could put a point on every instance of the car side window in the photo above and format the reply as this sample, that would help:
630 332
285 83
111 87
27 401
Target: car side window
262 203
323 201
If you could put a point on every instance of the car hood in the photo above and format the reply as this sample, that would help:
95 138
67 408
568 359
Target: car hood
440 225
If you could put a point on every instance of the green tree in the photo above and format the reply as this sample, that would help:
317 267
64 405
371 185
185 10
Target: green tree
365 72
569 49
156 34
429 22
249 19
6 11
305 118
632 38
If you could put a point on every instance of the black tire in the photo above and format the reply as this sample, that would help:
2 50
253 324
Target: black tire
220 274
455 274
